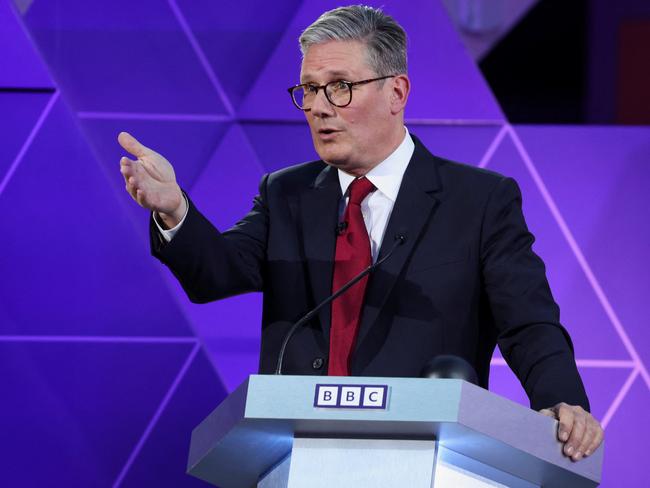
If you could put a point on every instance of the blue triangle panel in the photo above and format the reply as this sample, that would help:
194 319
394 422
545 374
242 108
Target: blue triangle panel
580 311
446 83
238 40
626 460
225 188
465 144
599 178
163 459
72 412
20 111
121 56
187 145
20 64
602 385
278 145
71 261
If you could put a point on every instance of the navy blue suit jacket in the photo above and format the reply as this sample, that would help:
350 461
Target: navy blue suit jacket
465 280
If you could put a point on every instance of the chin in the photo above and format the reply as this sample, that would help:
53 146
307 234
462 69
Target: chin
332 156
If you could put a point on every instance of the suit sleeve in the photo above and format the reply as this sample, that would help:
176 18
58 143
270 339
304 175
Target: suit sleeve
211 265
529 334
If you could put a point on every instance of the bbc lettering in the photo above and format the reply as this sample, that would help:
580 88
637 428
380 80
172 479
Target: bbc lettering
351 396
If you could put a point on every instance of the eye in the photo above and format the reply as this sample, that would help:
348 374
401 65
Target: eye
311 89
340 85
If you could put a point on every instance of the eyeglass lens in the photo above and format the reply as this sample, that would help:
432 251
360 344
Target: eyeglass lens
336 92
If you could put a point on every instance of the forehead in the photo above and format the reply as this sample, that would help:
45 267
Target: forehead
334 59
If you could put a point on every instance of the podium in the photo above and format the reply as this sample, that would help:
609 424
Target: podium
326 431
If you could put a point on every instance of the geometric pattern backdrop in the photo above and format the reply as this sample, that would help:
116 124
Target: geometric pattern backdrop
105 366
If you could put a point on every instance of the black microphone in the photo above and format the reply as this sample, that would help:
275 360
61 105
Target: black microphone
399 240
341 227
449 366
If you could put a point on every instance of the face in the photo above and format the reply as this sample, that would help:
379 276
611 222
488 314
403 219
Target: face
359 136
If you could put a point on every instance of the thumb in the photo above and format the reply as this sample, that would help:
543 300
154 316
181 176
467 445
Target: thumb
131 144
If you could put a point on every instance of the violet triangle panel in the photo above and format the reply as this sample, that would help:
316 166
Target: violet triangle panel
626 457
121 56
601 384
227 184
71 260
72 412
580 310
224 193
599 178
238 40
20 112
235 358
465 144
20 64
230 330
504 382
446 83
279 145
187 145
163 459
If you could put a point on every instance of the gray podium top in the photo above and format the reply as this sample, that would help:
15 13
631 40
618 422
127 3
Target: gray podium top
253 429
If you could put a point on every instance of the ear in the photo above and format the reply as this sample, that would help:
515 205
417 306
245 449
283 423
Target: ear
400 88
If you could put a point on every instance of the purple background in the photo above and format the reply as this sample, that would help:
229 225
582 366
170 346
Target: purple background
105 367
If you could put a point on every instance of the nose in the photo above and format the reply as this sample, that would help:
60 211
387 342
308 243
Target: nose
321 106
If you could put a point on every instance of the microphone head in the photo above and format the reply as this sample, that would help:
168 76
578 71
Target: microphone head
401 237
449 366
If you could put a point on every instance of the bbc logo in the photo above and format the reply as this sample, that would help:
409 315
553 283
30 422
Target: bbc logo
351 396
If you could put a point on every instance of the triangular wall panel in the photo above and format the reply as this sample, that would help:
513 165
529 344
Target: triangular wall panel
465 144
20 64
118 57
20 112
70 415
71 237
436 56
238 40
606 206
580 311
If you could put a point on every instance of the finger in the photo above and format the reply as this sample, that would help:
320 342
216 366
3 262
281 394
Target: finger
131 185
564 415
596 441
575 438
127 167
587 438
548 412
140 197
131 144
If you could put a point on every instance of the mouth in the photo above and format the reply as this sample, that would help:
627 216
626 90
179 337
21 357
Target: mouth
327 133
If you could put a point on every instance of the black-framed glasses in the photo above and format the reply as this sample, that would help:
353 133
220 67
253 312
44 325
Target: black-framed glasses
338 93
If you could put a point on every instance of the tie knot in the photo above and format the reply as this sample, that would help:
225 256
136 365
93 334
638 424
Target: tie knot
359 189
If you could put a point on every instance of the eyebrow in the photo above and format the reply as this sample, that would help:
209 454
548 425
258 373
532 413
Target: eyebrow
337 73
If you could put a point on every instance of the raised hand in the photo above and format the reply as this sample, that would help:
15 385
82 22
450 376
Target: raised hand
151 181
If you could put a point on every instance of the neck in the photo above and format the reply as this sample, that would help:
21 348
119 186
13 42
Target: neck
396 138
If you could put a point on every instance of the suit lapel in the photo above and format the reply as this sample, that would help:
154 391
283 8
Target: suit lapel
319 205
412 210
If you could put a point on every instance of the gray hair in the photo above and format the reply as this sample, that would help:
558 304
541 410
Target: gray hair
384 38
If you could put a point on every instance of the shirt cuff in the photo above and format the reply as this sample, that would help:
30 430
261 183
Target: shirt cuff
168 234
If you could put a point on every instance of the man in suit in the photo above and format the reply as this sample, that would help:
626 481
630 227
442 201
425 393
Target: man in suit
462 276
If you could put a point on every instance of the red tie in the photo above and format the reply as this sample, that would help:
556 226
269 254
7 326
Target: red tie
352 257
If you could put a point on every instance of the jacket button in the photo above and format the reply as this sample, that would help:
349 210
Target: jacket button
317 363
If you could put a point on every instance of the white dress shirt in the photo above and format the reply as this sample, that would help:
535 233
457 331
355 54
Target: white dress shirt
378 205
375 208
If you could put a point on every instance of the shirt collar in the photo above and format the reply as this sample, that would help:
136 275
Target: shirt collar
387 175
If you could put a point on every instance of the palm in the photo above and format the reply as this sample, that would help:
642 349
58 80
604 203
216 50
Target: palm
150 179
